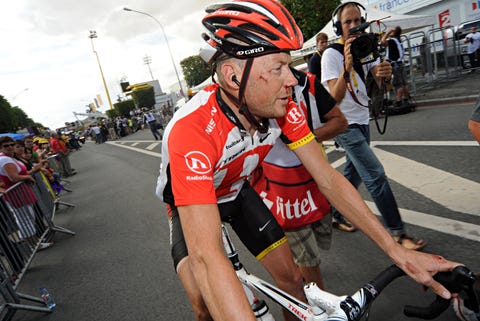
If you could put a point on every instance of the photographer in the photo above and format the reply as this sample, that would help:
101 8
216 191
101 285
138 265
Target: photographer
395 54
344 76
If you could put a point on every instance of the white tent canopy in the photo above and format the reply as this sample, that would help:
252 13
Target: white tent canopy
406 22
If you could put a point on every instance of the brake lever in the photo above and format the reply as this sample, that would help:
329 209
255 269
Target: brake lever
456 281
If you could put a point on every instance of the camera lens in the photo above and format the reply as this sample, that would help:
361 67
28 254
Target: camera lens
363 46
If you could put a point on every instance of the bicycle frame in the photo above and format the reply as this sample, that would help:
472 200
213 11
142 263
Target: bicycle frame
325 306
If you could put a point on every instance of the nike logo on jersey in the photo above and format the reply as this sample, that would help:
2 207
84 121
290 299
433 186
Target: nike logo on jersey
262 139
261 228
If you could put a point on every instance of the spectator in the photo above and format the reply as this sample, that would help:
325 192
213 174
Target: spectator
13 171
112 134
149 118
473 40
395 54
339 69
28 142
315 62
96 131
21 154
58 147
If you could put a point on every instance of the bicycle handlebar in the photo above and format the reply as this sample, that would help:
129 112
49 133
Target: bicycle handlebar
456 281
460 279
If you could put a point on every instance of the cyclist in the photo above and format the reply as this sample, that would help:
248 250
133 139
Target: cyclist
215 141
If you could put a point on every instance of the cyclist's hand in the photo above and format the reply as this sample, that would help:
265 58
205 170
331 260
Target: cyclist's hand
423 266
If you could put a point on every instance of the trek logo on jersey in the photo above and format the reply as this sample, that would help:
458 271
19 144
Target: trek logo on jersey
211 124
294 116
198 162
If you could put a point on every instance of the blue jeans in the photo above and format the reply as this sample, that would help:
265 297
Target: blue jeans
363 166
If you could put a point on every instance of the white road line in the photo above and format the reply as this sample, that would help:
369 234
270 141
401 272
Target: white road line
451 191
437 223
134 141
134 144
426 143
136 149
152 146
443 225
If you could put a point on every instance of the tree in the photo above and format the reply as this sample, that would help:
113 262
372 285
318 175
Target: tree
124 107
311 15
13 118
143 96
195 70
6 118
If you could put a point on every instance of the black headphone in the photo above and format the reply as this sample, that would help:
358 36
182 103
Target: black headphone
337 25
235 80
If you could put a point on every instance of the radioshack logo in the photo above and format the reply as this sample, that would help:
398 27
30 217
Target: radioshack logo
198 162
294 116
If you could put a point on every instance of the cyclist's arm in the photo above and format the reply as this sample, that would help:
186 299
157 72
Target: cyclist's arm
218 283
420 266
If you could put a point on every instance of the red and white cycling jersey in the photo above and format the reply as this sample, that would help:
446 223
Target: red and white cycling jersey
284 184
207 155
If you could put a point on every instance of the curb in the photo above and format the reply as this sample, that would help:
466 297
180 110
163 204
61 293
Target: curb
447 100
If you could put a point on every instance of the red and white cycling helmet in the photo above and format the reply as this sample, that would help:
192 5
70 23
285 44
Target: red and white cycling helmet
247 29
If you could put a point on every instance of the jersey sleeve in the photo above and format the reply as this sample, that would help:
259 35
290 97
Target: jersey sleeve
192 156
294 126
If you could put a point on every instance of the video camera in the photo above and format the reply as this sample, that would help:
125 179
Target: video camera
365 48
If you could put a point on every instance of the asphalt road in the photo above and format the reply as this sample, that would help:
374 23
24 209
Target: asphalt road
118 266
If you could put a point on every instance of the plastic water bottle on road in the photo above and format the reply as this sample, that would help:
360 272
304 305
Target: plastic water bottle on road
47 298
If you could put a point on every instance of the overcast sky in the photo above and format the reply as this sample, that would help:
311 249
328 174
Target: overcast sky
48 68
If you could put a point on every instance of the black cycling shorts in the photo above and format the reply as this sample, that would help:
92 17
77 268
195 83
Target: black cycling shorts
249 217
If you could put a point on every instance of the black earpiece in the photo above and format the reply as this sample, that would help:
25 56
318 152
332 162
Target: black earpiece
235 80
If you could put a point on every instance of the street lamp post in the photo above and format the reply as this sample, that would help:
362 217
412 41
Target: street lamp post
166 41
93 34
147 60
18 94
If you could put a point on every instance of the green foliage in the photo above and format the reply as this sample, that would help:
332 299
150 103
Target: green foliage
123 108
112 113
13 118
311 15
6 118
144 96
195 70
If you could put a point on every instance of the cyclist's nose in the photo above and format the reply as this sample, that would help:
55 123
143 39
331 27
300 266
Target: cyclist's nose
291 80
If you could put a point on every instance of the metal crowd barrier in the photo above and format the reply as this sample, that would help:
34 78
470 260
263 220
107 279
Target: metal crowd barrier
50 200
26 221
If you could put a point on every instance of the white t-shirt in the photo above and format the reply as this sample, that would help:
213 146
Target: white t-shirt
7 160
332 67
473 46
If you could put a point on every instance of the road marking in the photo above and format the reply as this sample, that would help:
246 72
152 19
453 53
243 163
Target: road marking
152 146
425 143
451 191
416 143
436 223
440 224
134 144
136 149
